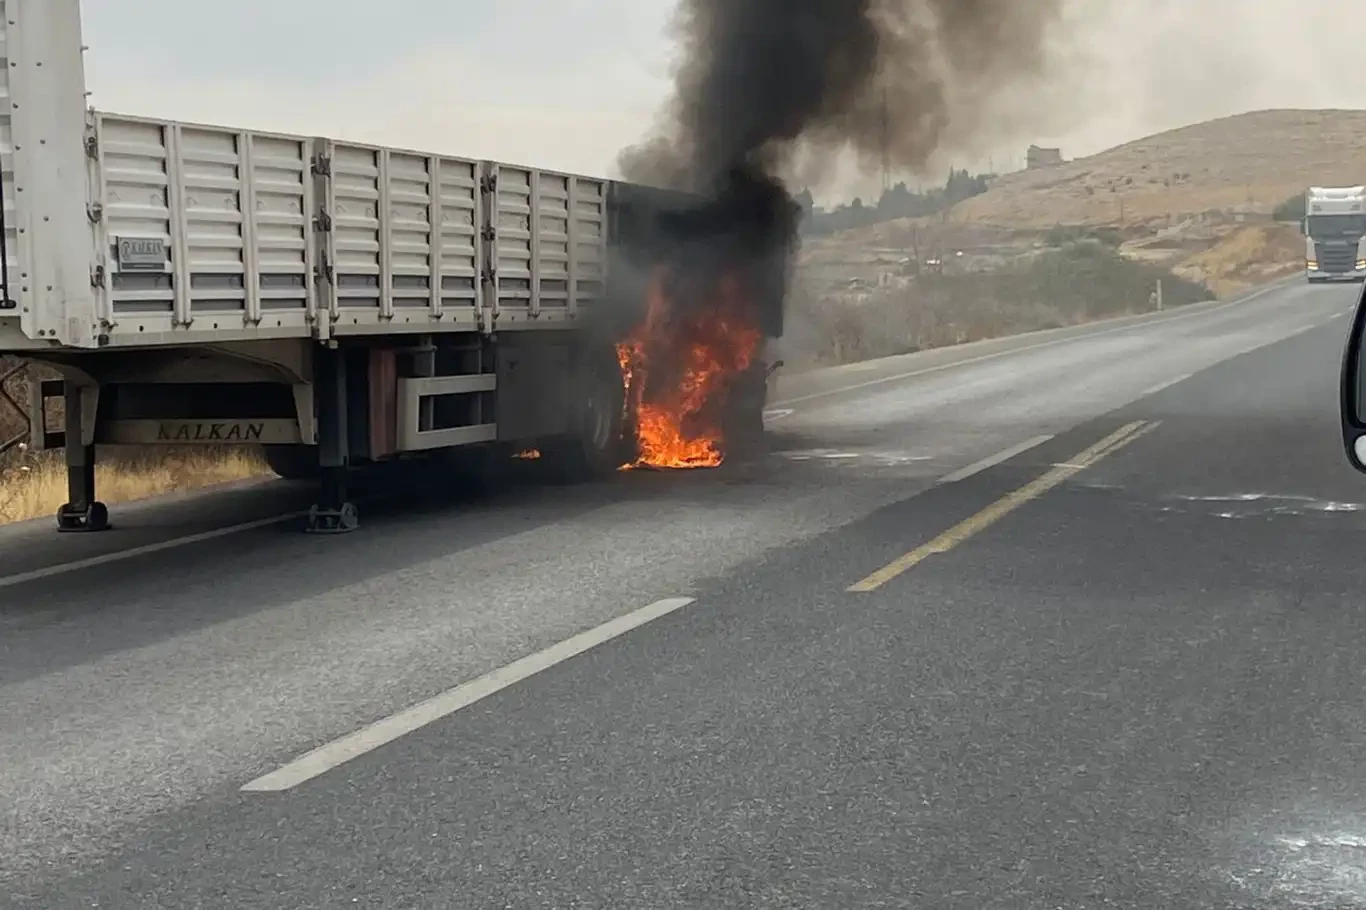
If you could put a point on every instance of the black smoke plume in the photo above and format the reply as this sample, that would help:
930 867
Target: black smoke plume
760 81
894 81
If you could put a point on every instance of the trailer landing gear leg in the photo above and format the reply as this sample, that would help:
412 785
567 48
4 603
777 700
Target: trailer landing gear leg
82 511
332 513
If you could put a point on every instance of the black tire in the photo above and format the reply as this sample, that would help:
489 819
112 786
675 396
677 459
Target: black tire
744 423
595 447
293 462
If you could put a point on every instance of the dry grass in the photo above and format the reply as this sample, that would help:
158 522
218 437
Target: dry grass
1249 162
1246 258
35 486
1078 283
1191 206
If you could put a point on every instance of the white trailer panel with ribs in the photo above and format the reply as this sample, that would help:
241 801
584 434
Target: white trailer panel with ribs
338 303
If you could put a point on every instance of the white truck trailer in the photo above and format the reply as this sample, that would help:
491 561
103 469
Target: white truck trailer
1335 233
334 302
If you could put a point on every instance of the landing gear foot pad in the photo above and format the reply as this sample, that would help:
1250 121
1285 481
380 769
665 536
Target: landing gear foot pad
83 520
341 520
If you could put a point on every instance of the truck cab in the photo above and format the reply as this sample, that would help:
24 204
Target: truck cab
1334 230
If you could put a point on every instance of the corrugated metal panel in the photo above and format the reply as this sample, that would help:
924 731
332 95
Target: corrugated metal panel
402 241
9 304
207 230
45 163
143 231
548 249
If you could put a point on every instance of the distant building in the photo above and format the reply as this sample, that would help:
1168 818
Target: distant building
1037 157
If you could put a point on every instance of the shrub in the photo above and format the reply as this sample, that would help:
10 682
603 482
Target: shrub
1291 210
1077 283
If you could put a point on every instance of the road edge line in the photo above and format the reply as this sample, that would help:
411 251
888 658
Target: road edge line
90 562
328 756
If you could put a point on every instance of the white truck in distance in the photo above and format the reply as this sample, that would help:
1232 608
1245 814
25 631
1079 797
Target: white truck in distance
1335 233
336 303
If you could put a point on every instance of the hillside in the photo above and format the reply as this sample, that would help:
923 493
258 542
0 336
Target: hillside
1248 163
1196 201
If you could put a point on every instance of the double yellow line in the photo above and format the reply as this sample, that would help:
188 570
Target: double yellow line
1005 505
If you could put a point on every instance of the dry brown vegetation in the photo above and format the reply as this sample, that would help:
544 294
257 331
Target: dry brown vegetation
33 485
1193 205
1245 257
1245 163
1079 282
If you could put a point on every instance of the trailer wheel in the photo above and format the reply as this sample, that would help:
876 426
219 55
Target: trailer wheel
595 447
744 415
293 462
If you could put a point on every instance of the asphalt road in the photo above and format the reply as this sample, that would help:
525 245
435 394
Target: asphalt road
1118 667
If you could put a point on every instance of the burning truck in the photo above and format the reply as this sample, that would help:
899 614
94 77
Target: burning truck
767 91
338 304
705 279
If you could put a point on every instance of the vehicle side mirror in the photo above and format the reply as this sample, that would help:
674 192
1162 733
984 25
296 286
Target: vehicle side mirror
1304 226
1352 396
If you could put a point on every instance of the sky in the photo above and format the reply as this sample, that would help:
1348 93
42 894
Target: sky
566 84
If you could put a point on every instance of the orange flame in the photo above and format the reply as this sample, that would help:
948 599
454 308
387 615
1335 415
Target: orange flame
674 429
